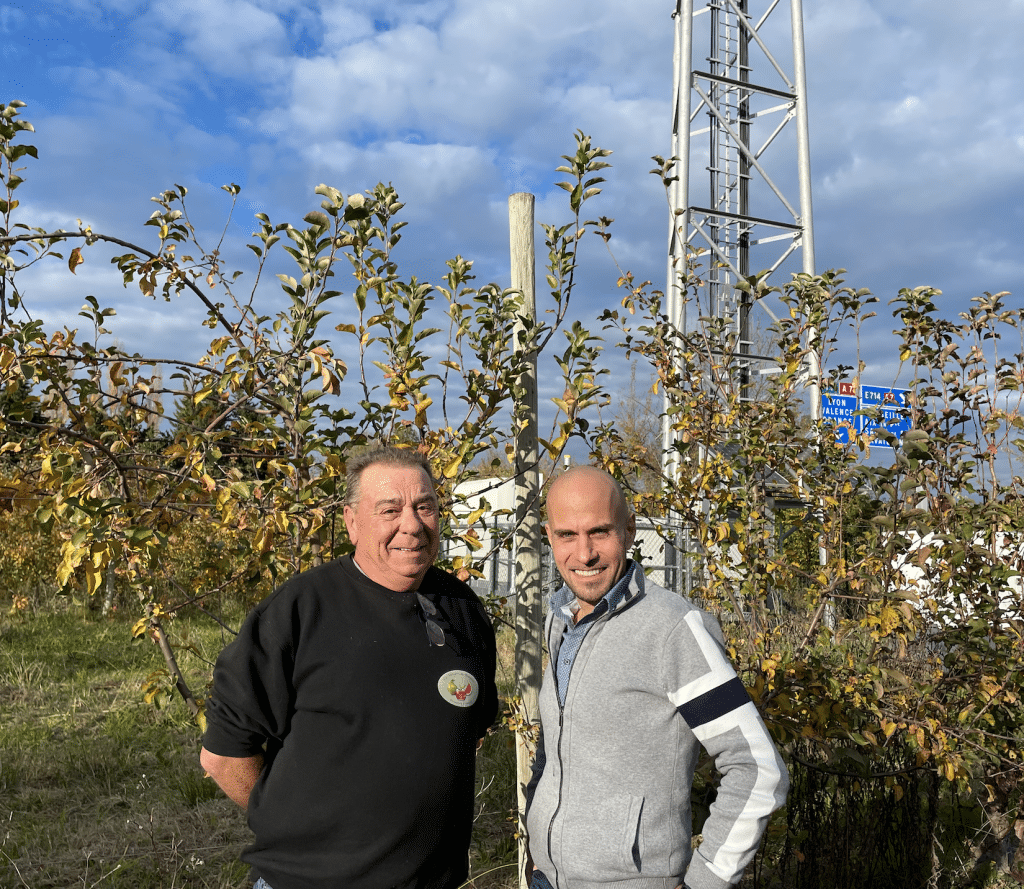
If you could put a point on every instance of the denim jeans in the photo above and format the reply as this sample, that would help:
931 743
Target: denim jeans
537 881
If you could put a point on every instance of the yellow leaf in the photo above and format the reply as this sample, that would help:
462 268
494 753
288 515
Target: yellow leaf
421 412
330 383
556 446
93 579
116 377
64 571
75 259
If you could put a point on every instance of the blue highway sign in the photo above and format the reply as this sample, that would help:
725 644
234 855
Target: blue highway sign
894 410
838 410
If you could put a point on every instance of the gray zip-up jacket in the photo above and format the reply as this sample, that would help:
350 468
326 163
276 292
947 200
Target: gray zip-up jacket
609 804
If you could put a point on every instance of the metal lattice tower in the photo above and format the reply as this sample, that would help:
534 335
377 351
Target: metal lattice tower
742 117
740 124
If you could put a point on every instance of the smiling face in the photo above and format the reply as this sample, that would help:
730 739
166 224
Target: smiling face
394 526
591 531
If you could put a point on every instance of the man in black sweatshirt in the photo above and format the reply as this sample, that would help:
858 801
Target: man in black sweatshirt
345 716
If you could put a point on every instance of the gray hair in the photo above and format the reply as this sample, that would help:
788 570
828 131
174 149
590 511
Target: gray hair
389 455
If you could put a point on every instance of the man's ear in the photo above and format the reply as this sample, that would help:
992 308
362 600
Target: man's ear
350 523
630 531
547 531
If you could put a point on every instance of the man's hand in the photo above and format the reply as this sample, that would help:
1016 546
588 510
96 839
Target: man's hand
235 775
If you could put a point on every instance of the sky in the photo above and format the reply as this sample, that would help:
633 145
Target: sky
915 108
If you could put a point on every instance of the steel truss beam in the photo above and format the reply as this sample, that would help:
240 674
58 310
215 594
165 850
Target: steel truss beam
757 193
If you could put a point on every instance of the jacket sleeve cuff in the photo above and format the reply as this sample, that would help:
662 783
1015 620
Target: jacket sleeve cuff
699 875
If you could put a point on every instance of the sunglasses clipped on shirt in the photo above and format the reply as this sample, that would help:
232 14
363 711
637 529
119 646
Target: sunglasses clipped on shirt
435 635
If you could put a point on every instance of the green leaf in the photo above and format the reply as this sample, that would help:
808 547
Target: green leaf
316 218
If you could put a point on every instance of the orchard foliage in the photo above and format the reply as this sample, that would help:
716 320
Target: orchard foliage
847 651
874 605
128 450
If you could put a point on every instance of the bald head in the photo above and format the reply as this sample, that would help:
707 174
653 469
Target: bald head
591 530
590 483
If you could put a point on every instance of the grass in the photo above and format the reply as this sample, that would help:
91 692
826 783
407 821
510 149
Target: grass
99 789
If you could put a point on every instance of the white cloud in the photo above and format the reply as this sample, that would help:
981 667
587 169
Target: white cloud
483 69
232 37
343 25
915 109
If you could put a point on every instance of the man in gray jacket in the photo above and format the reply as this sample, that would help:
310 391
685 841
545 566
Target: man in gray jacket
638 681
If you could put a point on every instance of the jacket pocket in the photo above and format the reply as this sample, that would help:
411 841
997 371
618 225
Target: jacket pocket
604 841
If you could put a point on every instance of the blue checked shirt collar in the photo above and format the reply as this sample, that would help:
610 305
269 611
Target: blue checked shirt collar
564 600
572 638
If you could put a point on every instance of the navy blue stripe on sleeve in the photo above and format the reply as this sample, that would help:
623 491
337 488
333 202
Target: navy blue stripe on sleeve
715 703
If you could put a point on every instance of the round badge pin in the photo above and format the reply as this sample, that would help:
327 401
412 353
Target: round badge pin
459 688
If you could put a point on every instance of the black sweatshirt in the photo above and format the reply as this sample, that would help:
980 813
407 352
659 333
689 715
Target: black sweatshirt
369 730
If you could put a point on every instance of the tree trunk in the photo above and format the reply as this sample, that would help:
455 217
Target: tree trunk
109 588
160 637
